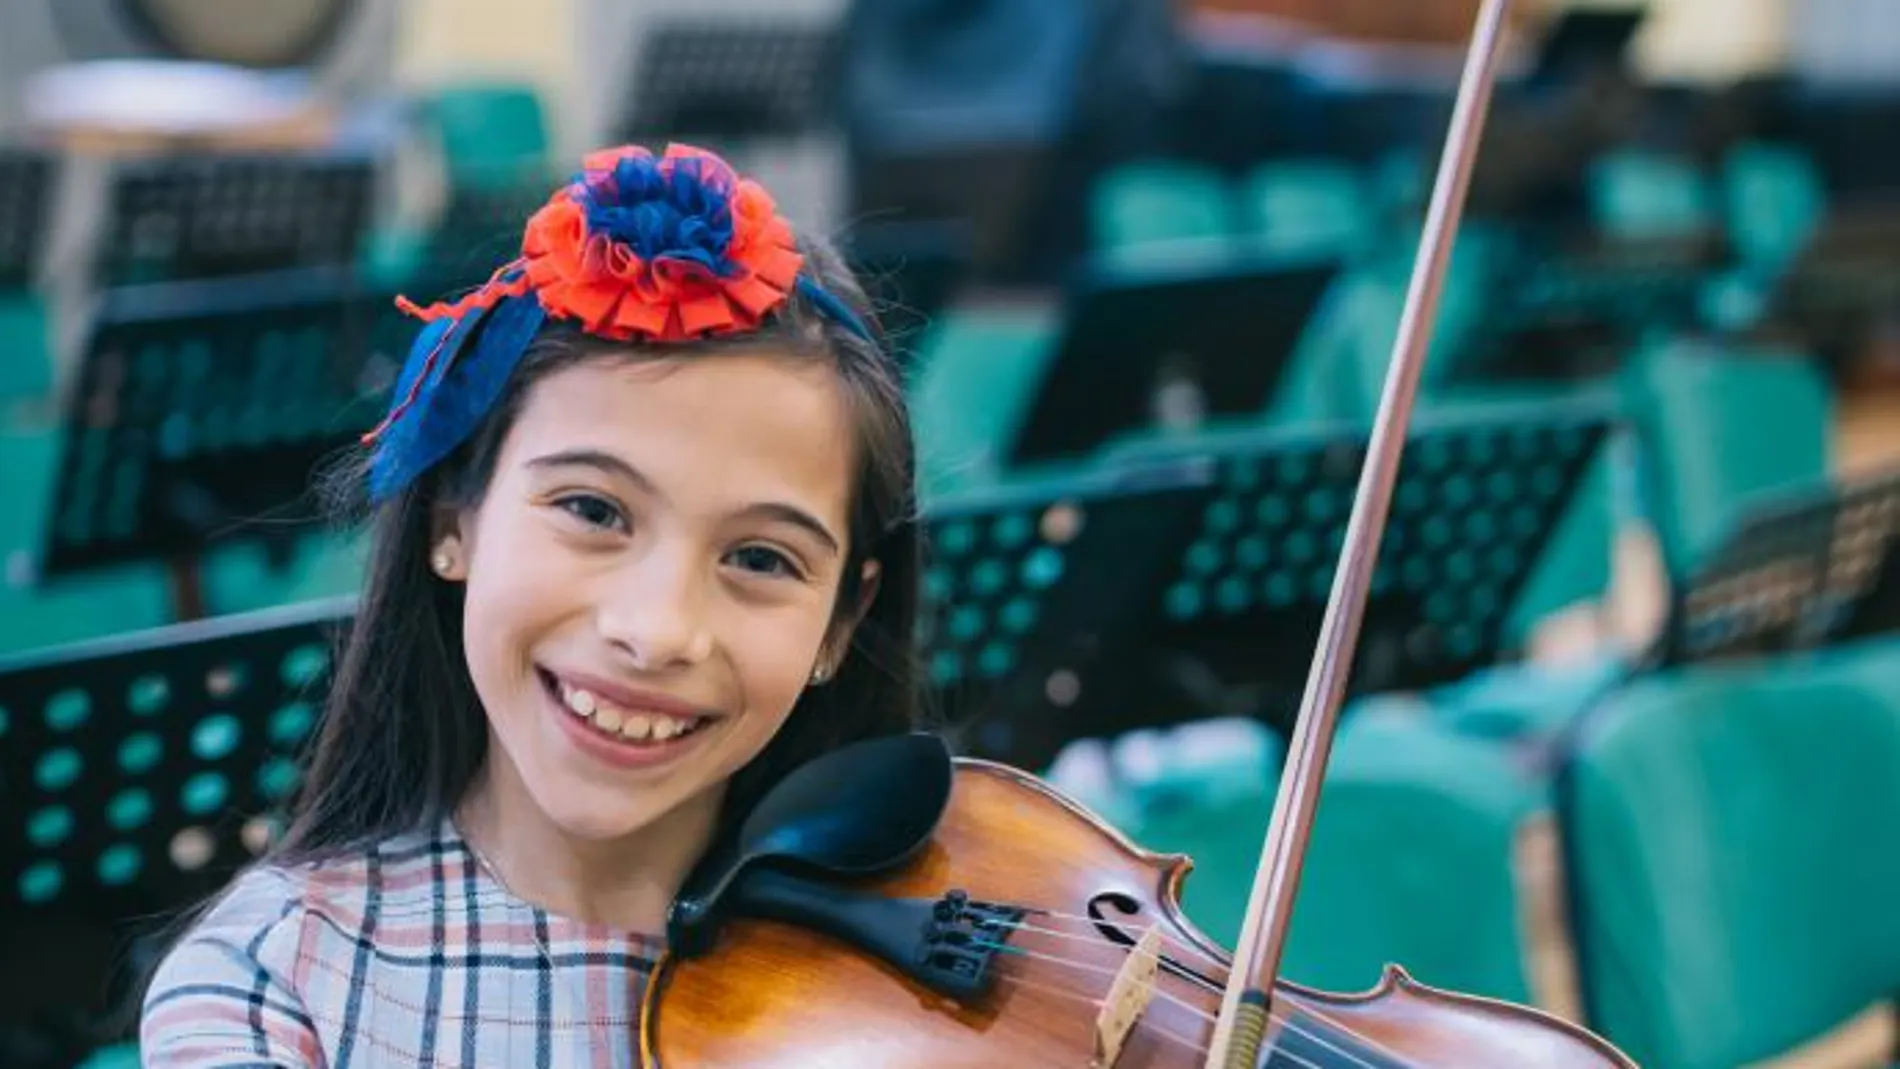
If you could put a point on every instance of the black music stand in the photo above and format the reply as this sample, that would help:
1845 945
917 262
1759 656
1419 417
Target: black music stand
181 218
1235 622
202 410
731 79
1802 570
1031 591
26 196
1583 41
143 770
1577 301
1168 345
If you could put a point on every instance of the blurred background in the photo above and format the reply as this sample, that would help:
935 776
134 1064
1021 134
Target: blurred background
1623 740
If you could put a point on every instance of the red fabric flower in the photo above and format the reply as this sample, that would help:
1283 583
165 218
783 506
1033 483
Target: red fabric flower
642 248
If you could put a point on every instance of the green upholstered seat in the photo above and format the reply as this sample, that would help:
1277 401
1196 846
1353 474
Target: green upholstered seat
1637 193
1410 861
1308 206
36 613
1701 411
489 132
1731 836
1773 197
241 577
980 367
1157 201
26 360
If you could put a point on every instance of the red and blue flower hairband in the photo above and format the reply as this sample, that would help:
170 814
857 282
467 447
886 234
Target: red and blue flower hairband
636 248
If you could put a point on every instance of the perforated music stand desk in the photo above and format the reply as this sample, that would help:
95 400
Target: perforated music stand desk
1216 330
193 217
730 78
1234 625
1801 570
1575 302
202 410
1032 590
26 194
142 771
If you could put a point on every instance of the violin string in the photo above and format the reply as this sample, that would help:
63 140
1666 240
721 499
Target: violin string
1288 1022
1175 941
1171 940
1096 1004
1291 1024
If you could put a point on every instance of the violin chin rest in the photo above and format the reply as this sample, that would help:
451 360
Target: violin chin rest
858 810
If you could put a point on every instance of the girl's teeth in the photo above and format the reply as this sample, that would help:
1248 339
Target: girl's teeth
634 727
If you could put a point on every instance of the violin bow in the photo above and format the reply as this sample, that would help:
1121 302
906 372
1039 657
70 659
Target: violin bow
1242 1026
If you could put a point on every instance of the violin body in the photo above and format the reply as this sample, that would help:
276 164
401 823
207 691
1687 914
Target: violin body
782 994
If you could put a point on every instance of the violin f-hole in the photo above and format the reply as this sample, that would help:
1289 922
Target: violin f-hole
1128 906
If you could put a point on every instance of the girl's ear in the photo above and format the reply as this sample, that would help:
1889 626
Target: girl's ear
832 654
448 554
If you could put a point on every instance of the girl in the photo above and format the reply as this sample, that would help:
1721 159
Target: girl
643 543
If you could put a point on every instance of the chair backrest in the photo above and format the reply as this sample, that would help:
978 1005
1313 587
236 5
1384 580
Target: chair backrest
1308 206
1773 197
1729 835
1414 861
1634 193
489 132
1411 860
1154 202
1720 426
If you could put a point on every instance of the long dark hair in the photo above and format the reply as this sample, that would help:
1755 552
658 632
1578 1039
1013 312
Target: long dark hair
403 733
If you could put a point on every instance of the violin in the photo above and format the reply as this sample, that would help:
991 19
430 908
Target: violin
888 905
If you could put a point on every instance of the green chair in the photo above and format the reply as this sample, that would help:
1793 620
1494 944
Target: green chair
242 578
489 132
1137 206
1339 368
1720 426
1636 193
1411 860
1729 835
26 359
979 367
38 613
1773 198
1414 861
1308 206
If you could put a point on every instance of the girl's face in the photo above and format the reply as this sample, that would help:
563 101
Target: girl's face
652 576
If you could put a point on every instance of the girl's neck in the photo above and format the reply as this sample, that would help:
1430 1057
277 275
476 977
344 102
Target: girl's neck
626 883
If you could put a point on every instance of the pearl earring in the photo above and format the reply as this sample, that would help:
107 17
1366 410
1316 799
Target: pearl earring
443 561
818 674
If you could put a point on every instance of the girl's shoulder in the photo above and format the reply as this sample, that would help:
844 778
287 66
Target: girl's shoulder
258 965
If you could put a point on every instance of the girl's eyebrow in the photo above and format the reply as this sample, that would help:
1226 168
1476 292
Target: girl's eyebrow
612 465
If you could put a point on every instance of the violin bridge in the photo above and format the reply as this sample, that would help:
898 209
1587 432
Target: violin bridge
1128 998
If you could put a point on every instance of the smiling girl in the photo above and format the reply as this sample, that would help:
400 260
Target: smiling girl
643 542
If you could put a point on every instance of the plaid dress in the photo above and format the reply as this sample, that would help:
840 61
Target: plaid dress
409 955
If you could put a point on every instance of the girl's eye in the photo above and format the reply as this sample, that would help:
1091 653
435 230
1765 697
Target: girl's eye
591 509
765 560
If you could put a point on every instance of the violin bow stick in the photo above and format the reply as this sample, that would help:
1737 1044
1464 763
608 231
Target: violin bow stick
1242 1026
